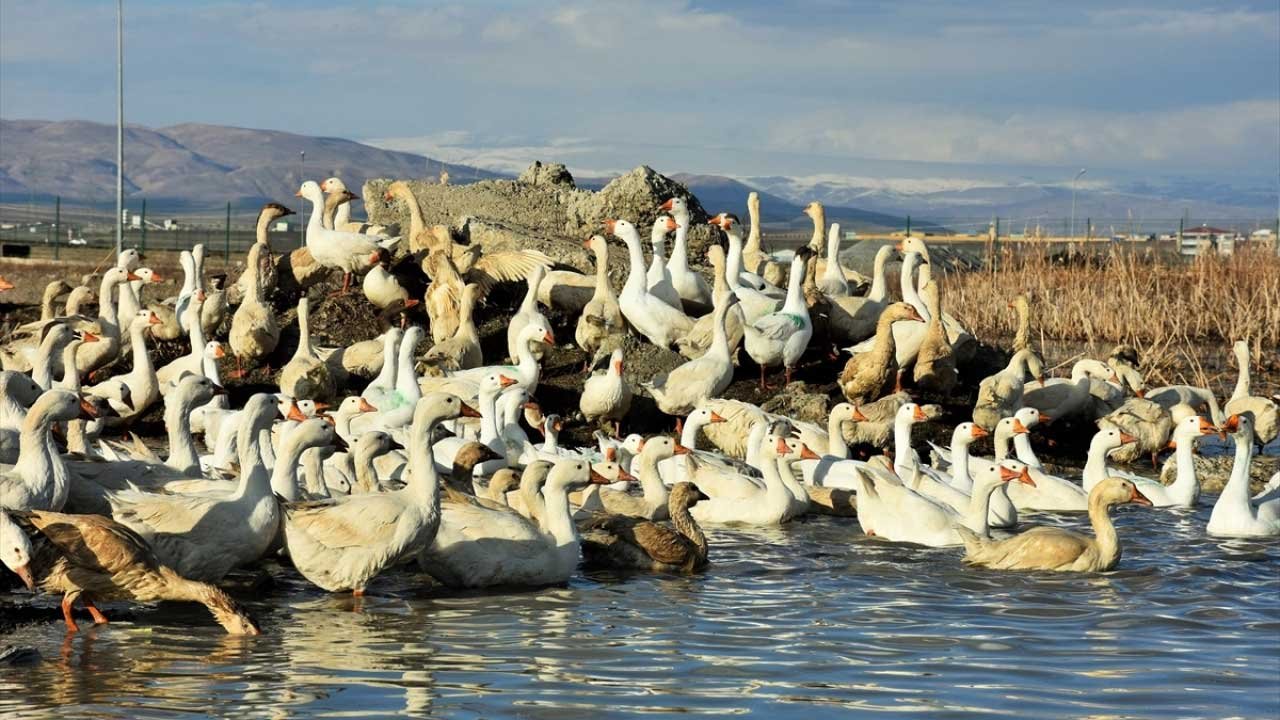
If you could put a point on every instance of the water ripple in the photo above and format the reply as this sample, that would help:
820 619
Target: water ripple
808 620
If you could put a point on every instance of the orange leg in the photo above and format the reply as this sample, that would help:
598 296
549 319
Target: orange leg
358 592
897 382
679 426
346 285
764 385
67 602
98 617
787 375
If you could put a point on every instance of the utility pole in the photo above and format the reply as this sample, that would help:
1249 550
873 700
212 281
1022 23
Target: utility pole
1073 201
119 126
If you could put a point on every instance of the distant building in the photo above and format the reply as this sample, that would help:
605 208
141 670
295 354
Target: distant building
1204 239
171 224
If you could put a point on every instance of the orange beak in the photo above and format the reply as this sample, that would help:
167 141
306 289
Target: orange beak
1126 438
412 302
90 337
1006 474
717 417
598 479
640 447
672 224
783 449
1206 427
322 406
298 194
681 450
609 225
1140 393
131 276
373 258
153 320
611 454
666 206
979 432
387 196
858 416
624 476
468 411
1019 428
807 454
1045 418
1024 477
366 407
294 413
1232 424
549 338
219 352
1138 498
156 277
587 243
919 415
506 382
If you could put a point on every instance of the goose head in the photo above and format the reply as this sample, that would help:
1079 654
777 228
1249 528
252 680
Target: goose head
373 444
574 474
814 209
1189 429
1005 471
704 416
679 209
537 332
148 276
196 390
1109 439
310 191
901 311
662 225
685 494
612 471
271 211
1117 491
15 550
129 259
661 447
913 245
622 229
967 432
1030 417
847 412
213 350
797 451
333 185
911 413
19 387
1241 424
725 221
316 432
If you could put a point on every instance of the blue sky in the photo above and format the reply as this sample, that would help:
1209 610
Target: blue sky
750 88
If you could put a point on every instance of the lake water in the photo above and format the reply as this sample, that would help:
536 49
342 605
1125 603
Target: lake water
805 621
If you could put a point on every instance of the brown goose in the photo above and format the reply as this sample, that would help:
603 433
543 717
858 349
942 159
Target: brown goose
90 558
629 542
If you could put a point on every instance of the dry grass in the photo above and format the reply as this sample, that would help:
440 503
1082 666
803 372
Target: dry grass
1181 316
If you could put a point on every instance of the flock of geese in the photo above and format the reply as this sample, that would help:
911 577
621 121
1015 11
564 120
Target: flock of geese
381 453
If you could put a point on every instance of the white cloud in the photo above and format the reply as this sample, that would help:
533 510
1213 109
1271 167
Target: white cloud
1217 134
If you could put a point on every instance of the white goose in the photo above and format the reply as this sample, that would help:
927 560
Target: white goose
133 393
1266 413
833 282
345 542
653 504
203 537
1184 492
527 315
482 546
657 321
755 304
607 396
347 251
689 385
658 278
39 480
17 393
688 284
381 387
780 338
1235 514
737 498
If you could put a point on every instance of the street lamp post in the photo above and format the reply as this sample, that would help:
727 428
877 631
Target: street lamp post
1073 201
119 126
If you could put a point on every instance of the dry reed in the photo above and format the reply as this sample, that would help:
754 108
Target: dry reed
1181 316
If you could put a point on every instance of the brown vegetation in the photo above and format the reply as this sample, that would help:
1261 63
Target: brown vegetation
1181 316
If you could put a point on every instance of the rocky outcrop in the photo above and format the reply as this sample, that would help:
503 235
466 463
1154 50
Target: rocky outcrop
543 209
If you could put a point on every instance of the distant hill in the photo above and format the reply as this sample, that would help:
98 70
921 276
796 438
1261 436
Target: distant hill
191 164
718 193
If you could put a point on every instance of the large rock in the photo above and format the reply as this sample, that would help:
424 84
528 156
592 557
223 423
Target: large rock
543 206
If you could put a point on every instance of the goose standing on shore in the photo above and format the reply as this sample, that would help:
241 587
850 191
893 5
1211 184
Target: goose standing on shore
689 285
1266 414
658 277
657 321
601 322
780 338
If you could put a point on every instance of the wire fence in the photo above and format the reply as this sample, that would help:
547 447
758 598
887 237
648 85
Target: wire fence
45 225
45 228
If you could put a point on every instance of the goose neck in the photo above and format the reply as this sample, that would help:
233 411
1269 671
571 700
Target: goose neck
1243 384
978 512
684 524
1104 531
1022 449
902 459
183 455
556 517
655 491
1185 465
836 446
1237 487
733 263
680 247
960 461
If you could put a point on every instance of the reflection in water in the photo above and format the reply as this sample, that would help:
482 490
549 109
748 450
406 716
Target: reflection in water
788 622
